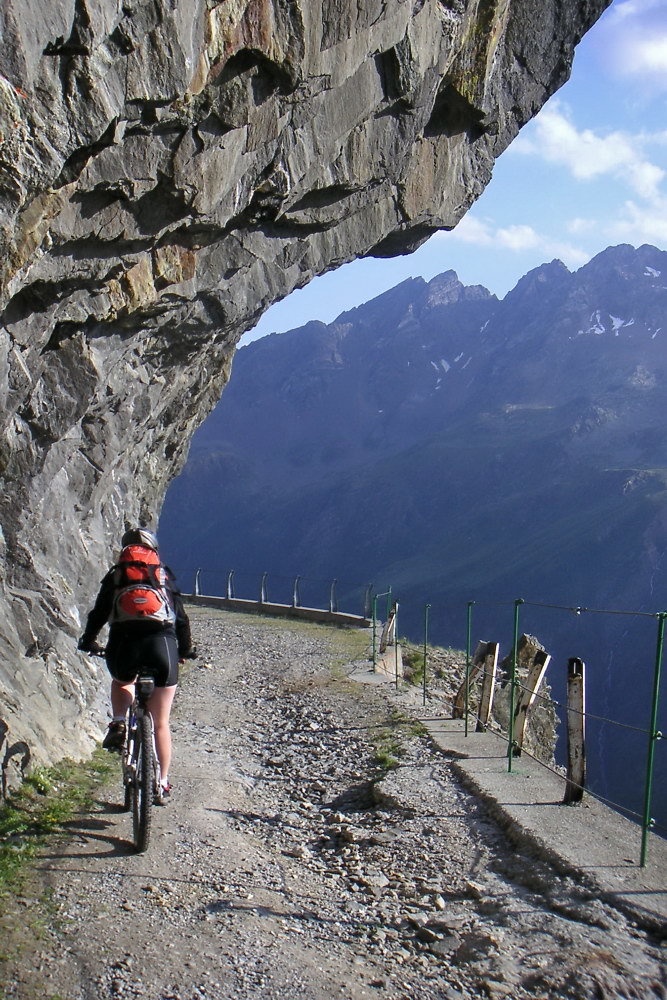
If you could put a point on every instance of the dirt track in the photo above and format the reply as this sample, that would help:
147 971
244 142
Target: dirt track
293 864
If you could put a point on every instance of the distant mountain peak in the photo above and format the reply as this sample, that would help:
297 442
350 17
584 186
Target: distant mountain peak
446 288
547 279
627 262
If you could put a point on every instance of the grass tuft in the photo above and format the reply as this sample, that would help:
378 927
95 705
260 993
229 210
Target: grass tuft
390 740
47 800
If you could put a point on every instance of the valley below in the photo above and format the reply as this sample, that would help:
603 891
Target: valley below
460 448
316 847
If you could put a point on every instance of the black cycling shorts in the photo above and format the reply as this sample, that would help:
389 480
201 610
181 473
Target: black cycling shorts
155 655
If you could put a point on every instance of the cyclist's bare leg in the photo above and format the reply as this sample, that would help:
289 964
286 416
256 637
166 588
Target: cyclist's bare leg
159 705
121 698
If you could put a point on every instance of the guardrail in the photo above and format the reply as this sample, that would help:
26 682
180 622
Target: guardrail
291 588
479 667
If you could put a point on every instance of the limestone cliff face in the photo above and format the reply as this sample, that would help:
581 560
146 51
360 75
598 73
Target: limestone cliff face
167 170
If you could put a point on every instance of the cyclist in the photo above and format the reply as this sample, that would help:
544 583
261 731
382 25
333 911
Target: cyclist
148 631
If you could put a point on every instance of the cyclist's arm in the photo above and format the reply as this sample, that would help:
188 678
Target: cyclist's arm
183 635
99 615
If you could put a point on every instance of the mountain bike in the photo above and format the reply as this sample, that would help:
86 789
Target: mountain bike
141 767
142 787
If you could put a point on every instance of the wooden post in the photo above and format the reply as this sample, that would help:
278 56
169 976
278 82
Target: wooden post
576 731
527 694
387 638
488 686
476 668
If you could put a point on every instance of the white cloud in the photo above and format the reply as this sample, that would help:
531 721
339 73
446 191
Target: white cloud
587 155
639 224
653 54
624 10
633 37
518 239
579 226
471 230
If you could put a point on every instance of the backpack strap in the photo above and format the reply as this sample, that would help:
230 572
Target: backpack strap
154 573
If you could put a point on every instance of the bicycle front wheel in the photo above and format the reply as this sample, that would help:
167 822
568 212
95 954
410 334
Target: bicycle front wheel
143 784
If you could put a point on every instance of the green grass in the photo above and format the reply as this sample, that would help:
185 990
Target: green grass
413 662
48 798
390 739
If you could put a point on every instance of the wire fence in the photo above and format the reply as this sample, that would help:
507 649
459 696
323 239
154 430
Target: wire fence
280 589
650 734
631 756
362 600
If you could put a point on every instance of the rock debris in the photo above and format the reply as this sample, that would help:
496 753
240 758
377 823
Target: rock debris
317 847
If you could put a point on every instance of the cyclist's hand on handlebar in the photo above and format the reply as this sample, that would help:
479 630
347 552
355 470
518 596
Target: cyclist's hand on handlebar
91 647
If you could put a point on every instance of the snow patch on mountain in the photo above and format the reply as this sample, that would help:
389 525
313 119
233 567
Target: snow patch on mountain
598 326
441 365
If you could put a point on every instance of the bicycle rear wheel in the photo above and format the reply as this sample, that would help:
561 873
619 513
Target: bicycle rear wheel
142 796
128 763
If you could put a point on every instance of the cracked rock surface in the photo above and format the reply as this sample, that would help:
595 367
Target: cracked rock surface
167 170
297 860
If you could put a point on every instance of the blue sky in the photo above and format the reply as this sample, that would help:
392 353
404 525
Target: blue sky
590 171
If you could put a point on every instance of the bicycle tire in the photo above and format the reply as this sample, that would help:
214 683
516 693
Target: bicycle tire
127 797
143 787
128 756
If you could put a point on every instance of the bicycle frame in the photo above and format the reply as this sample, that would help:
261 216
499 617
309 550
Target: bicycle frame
141 767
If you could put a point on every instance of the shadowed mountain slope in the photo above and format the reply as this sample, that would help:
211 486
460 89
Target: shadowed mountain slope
459 448
438 429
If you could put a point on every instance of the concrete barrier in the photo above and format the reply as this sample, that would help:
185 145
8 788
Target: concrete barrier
320 615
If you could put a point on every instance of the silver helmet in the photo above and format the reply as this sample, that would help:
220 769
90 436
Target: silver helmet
139 536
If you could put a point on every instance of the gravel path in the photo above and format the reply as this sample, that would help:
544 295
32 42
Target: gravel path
294 862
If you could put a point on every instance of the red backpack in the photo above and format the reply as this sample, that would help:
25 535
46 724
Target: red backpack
142 592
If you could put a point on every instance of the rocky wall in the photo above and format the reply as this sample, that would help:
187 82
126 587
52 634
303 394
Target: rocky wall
168 169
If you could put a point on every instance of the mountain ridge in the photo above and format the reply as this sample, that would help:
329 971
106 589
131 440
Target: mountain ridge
345 394
476 449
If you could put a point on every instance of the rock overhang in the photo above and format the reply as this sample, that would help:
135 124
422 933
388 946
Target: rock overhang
166 173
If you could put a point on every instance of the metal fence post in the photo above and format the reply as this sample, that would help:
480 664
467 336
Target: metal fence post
367 600
467 679
396 642
426 611
388 602
515 653
654 735
375 614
